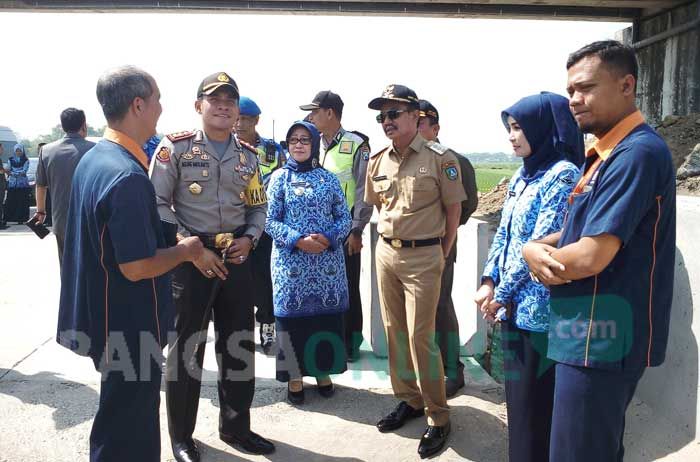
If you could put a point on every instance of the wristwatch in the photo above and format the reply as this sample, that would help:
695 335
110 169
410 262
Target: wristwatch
253 241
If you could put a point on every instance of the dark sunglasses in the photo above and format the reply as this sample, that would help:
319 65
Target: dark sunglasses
392 114
305 140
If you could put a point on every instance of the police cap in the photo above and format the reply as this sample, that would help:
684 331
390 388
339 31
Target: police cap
428 110
215 81
325 99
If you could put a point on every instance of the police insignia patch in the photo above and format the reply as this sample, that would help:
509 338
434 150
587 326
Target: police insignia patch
173 137
255 192
451 172
163 155
188 156
364 152
242 159
345 147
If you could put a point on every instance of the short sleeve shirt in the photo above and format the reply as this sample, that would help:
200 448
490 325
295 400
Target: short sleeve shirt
619 319
411 193
112 220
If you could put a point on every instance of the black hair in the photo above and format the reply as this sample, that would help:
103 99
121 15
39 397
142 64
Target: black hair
618 57
72 120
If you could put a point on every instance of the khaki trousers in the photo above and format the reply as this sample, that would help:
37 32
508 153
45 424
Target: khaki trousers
408 280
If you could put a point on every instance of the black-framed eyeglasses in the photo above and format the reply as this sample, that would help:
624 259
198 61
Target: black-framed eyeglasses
305 140
392 114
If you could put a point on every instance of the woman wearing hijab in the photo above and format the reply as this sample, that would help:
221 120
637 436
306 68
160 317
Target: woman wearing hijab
17 202
544 134
308 222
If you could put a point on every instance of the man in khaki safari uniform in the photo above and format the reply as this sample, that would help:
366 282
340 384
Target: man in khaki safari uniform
417 189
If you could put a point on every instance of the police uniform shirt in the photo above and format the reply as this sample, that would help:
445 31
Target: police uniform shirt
411 193
205 192
619 318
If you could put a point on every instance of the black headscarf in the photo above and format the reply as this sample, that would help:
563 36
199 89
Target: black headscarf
550 129
312 162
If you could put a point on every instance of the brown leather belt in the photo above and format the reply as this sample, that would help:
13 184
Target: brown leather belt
399 243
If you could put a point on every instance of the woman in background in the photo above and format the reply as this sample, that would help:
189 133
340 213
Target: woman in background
18 190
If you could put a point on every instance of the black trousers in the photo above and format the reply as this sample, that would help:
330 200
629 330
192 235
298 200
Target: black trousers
17 205
127 423
529 377
446 325
3 188
262 280
353 317
233 323
588 421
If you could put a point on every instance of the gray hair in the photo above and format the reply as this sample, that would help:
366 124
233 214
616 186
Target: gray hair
117 88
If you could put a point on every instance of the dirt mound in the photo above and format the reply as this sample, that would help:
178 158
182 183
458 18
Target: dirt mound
689 186
681 133
491 203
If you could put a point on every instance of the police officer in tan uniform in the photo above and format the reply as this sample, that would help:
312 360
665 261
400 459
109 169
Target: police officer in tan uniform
416 186
208 184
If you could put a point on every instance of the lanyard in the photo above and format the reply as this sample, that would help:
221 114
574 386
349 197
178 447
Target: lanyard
585 179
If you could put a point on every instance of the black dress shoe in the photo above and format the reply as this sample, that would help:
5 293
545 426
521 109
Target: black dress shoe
186 452
452 386
398 417
326 390
249 442
295 397
433 440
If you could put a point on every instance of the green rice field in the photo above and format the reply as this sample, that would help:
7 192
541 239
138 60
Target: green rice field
489 175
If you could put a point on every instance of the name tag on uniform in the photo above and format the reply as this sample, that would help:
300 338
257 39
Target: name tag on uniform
379 178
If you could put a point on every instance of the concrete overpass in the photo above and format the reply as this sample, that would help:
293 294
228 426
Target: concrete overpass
620 10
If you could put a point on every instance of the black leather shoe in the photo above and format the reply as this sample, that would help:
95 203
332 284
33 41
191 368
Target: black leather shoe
326 390
249 442
452 386
399 416
295 397
186 452
433 440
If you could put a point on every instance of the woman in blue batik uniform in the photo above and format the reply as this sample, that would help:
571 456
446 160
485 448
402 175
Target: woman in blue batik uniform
18 190
545 135
308 222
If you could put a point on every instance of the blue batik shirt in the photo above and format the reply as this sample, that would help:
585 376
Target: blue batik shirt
532 210
300 204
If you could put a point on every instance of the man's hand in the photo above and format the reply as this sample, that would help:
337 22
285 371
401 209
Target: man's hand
39 217
490 310
311 245
193 247
542 265
210 264
239 250
354 243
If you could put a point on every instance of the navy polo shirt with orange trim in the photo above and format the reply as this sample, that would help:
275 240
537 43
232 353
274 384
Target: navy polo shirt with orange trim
619 319
112 219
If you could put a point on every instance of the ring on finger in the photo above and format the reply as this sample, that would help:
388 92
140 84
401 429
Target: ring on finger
210 272
242 258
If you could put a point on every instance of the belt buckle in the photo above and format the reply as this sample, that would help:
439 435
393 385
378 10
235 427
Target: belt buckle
396 243
223 240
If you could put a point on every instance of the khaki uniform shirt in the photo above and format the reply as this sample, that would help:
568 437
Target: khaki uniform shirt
204 192
411 193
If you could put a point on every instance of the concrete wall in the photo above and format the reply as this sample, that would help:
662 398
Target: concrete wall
669 69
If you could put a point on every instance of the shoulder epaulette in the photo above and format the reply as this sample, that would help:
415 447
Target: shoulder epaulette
379 152
248 146
179 136
437 148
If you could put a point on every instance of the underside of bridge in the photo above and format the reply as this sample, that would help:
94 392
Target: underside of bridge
665 33
620 10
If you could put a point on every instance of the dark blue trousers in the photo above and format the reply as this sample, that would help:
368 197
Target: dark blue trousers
588 421
127 424
529 378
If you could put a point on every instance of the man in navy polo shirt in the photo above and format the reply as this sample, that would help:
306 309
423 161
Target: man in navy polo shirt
116 302
611 267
